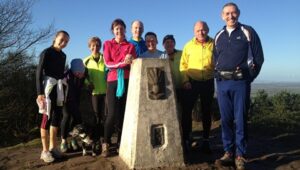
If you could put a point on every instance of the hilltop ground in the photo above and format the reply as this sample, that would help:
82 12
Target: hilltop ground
266 150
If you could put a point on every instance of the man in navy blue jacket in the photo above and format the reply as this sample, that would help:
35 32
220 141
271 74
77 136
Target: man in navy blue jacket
238 58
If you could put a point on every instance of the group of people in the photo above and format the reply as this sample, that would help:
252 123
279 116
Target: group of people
232 59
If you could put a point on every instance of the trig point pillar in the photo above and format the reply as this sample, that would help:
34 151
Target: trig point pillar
151 132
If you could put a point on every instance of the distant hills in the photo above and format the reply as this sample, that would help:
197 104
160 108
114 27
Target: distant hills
274 87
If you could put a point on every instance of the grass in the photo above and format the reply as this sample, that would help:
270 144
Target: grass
33 142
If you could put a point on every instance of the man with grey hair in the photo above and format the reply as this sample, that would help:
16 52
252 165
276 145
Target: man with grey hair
196 67
137 29
238 58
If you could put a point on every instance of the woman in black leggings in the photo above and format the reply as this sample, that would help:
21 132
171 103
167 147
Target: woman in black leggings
118 55
71 113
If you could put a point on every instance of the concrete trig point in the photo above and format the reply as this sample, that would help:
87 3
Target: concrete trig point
151 132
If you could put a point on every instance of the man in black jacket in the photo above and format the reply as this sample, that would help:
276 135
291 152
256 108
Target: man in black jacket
238 58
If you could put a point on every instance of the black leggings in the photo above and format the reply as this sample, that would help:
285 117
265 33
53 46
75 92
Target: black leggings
55 113
204 89
99 108
71 117
55 118
115 111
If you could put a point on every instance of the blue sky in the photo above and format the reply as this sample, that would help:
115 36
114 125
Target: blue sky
276 22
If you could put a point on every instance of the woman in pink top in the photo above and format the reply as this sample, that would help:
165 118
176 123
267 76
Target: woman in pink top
118 55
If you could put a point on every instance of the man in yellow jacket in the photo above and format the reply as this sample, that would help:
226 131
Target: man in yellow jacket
196 67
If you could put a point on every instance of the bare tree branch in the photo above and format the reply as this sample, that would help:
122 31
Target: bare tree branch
16 33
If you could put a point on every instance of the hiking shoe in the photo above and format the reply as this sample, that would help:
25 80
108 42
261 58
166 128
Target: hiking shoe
64 147
74 144
46 157
240 163
205 147
56 153
105 150
94 154
226 159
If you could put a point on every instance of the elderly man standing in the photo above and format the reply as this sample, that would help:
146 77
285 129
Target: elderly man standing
137 29
196 66
238 58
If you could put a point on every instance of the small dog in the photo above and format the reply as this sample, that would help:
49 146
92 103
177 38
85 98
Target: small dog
87 137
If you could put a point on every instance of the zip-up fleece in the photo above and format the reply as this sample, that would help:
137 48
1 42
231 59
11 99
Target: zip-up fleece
140 46
232 51
114 58
96 74
196 60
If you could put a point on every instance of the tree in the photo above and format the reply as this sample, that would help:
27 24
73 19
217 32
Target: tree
261 103
285 102
18 110
278 113
16 33
17 98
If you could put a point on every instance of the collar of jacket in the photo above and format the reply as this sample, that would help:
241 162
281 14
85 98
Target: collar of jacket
115 42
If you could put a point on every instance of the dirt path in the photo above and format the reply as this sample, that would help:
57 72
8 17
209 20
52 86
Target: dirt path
281 151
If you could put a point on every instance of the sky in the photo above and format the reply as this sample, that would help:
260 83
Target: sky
276 22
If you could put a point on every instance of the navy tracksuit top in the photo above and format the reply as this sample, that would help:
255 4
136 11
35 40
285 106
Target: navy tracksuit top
231 51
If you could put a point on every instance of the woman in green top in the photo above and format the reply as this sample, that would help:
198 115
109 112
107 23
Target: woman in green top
96 81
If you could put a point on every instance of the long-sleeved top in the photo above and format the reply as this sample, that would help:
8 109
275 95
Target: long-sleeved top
96 74
232 50
175 63
51 64
140 46
114 58
197 60
75 85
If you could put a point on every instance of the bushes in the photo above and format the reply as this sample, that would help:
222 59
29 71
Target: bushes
17 98
280 112
17 70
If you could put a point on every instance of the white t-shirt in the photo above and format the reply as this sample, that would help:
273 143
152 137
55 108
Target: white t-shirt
230 30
